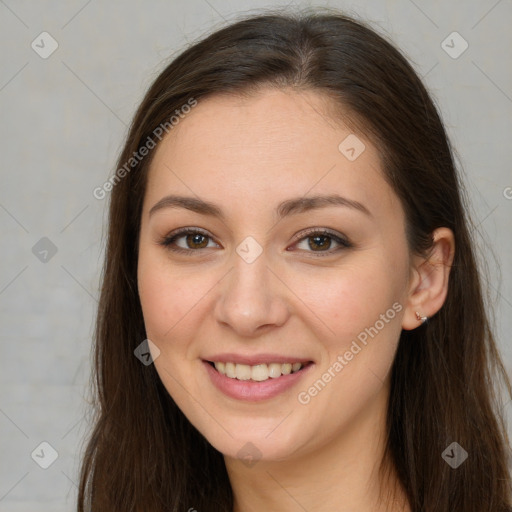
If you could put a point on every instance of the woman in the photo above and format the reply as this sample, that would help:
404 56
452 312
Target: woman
291 315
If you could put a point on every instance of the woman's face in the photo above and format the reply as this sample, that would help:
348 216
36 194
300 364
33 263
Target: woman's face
297 254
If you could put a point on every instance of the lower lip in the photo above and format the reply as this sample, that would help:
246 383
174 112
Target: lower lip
253 391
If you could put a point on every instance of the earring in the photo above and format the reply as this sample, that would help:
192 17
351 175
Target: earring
420 318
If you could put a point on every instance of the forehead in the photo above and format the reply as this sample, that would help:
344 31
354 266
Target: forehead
267 147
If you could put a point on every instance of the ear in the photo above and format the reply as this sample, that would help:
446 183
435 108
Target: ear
428 285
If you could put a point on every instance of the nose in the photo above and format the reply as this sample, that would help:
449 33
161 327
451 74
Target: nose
252 299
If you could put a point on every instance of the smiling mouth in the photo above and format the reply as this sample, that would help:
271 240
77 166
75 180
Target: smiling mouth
258 372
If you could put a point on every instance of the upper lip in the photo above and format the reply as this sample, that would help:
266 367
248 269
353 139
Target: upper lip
255 359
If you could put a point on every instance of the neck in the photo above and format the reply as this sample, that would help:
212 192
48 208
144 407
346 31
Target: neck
342 475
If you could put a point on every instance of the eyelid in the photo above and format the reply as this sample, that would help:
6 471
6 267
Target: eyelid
320 231
170 238
340 239
186 231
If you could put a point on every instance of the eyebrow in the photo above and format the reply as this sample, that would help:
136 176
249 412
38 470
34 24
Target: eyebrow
284 209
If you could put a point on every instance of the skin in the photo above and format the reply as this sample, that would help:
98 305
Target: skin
247 155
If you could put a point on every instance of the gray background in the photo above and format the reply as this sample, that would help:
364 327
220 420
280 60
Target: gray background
63 122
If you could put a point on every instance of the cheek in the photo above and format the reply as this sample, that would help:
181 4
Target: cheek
169 301
351 298
166 295
360 305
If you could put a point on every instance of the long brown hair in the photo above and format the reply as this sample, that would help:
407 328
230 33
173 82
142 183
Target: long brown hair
143 454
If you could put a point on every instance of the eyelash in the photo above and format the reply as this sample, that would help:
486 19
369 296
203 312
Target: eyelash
310 233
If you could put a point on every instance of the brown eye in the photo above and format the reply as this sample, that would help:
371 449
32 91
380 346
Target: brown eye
196 241
321 241
187 240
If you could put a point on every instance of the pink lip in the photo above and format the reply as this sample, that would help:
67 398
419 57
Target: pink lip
250 390
255 359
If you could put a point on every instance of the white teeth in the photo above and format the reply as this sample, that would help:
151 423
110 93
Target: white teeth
230 370
286 369
243 371
258 372
274 370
